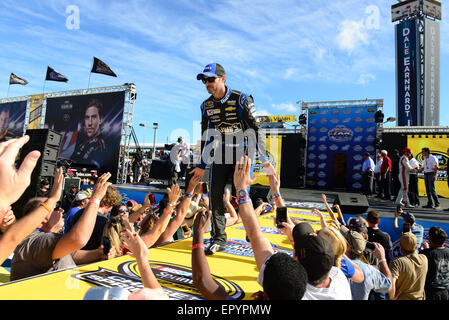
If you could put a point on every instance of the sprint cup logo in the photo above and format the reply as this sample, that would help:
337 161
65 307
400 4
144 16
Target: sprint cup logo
175 279
340 134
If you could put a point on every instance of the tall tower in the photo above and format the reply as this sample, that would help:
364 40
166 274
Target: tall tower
417 37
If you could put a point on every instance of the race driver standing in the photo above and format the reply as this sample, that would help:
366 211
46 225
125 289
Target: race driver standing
229 131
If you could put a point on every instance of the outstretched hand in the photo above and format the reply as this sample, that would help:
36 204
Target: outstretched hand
134 243
101 186
15 181
242 178
202 221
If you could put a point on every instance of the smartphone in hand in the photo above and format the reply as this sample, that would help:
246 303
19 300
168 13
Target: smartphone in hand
106 245
281 216
204 188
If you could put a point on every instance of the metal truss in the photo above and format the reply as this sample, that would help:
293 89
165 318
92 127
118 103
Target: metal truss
130 98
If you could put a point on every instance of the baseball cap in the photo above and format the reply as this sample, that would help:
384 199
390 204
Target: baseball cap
356 242
212 70
407 149
408 217
355 223
408 242
81 196
314 253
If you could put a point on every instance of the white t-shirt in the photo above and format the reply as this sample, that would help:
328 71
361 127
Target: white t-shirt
339 288
414 164
378 165
430 163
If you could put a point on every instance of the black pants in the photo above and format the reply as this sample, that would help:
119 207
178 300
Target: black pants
219 176
413 192
367 181
386 185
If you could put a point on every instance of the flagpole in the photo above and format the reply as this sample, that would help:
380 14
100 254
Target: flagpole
88 84
43 89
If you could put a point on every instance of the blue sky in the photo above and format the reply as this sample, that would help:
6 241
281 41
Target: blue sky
278 51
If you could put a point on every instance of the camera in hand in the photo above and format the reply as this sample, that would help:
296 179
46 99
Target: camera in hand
370 246
281 216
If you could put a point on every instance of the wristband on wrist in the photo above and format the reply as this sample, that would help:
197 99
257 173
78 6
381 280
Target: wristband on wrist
188 195
167 212
94 200
198 245
50 210
171 205
277 197
243 200
382 260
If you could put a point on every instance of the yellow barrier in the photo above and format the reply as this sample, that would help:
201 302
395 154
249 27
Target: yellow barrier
234 269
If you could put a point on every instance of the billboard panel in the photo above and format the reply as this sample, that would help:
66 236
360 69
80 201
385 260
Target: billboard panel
404 9
407 74
91 128
438 146
431 73
36 103
12 120
336 141
274 153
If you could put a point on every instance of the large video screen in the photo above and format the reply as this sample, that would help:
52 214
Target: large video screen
91 128
12 120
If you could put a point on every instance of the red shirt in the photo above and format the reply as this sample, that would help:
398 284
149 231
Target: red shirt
386 163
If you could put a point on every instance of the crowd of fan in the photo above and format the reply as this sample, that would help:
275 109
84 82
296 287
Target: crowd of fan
339 261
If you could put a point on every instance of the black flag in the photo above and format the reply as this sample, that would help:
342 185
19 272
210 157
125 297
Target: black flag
52 75
13 79
101 67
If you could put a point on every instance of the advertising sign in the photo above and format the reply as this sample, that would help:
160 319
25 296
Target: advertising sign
438 147
404 9
336 141
36 103
431 73
407 74
274 150
12 120
233 269
91 127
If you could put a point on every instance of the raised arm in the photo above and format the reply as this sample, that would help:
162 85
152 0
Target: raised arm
153 236
13 183
81 232
261 246
202 278
146 204
181 212
234 218
139 250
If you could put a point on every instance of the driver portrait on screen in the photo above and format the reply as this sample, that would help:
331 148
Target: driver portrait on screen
91 147
5 135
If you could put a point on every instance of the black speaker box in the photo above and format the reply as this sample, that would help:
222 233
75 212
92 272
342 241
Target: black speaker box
352 203
47 142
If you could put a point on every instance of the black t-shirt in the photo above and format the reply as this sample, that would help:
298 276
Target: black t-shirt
377 235
97 234
438 268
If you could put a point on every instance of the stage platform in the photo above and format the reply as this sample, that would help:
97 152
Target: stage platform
309 198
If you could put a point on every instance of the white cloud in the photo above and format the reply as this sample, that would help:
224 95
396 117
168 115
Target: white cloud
366 78
286 107
262 113
352 33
